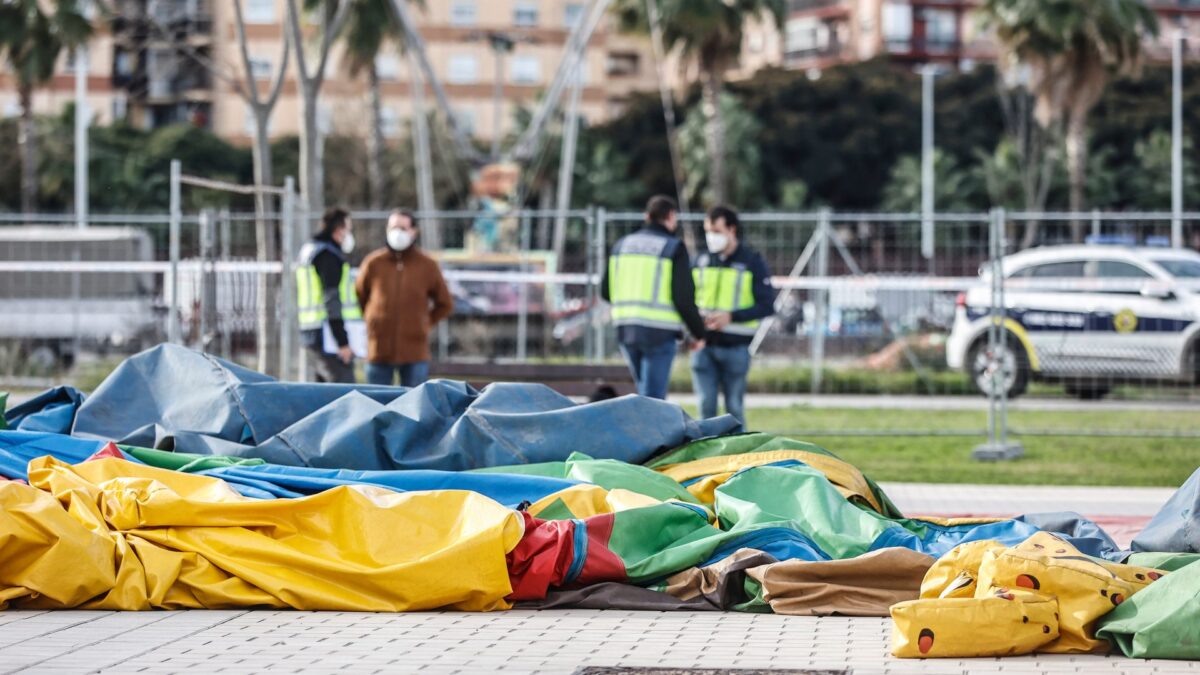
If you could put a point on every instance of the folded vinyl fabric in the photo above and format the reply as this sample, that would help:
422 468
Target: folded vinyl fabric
110 534
1161 622
173 398
988 599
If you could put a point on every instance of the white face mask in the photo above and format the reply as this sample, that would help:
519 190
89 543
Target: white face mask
348 243
399 240
716 241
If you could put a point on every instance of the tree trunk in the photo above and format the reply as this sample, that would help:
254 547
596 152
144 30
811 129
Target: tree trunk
311 176
265 239
714 133
1077 168
375 141
27 139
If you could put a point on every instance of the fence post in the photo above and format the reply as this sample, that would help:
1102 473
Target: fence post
821 306
1096 223
601 259
174 328
997 446
287 281
226 332
208 280
589 222
523 291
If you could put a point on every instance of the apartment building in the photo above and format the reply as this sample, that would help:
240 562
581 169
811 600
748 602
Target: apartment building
822 33
165 61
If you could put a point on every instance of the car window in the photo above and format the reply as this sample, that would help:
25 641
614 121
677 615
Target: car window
1184 269
1057 270
1115 269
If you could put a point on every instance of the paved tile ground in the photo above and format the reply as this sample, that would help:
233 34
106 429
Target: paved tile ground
519 641
551 642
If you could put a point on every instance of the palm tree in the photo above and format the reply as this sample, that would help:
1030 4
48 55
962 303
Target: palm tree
1069 46
708 33
371 26
32 36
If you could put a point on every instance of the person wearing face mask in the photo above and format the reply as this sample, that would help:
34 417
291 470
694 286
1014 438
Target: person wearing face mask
734 293
403 296
649 284
325 297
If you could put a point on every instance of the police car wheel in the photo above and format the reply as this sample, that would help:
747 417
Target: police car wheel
1009 368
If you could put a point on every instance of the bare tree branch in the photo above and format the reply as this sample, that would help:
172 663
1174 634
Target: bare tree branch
277 87
251 83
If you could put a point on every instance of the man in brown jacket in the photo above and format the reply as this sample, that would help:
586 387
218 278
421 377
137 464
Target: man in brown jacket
403 296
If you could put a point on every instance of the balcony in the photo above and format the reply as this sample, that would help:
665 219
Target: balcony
823 54
924 47
819 7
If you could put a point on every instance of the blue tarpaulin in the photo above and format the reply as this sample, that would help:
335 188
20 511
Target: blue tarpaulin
176 399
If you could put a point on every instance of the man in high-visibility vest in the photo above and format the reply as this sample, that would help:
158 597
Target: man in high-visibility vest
734 292
648 282
325 297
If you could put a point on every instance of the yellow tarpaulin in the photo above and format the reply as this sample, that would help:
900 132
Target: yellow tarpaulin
111 534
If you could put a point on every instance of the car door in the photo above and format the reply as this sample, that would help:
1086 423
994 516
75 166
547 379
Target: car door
1131 333
1042 298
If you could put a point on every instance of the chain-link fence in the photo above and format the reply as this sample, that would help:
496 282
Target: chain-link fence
869 306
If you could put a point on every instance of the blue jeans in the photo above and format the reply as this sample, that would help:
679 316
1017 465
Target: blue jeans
651 367
721 370
411 374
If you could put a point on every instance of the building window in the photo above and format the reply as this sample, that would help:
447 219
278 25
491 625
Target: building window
897 23
259 11
464 69
941 29
248 123
807 36
261 69
464 13
389 122
120 106
525 14
525 70
465 119
572 13
12 108
623 64
387 67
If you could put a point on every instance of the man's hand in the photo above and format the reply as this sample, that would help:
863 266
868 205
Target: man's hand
717 320
345 354
697 345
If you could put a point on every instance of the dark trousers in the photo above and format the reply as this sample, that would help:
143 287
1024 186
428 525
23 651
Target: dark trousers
332 369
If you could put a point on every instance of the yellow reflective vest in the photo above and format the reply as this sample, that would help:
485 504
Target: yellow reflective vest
310 292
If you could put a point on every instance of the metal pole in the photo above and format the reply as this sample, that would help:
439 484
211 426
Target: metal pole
1096 229
432 239
1177 139
287 285
927 173
497 102
208 286
226 330
601 258
523 292
592 297
1001 337
817 346
81 136
997 446
566 165
174 329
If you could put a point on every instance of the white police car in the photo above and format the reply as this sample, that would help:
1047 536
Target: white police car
1087 316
